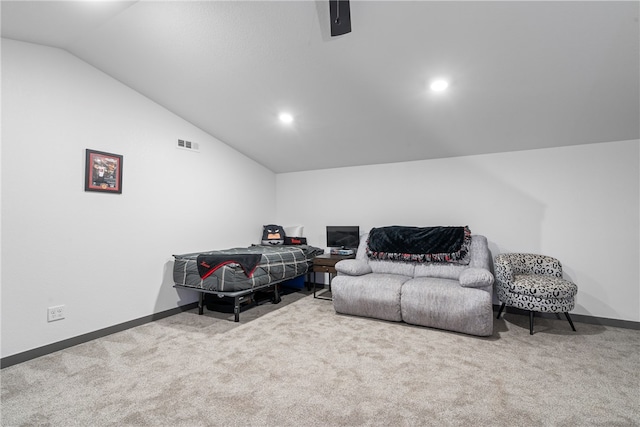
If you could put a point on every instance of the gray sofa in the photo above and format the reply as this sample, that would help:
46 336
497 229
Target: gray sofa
435 294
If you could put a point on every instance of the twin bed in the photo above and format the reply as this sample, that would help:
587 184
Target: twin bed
240 272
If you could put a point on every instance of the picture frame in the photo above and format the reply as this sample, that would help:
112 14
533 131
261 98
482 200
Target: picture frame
103 172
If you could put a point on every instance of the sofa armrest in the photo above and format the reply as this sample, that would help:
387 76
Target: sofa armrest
353 267
475 278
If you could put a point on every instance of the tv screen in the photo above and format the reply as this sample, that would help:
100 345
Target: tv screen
347 237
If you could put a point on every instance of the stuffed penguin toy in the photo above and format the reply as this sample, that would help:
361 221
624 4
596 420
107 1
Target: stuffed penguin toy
273 235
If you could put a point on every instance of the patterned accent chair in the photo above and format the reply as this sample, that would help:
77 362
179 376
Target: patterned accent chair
533 283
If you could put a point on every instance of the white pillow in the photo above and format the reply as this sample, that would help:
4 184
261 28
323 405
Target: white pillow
294 231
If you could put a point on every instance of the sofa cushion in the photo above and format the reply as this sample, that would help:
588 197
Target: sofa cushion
392 267
444 304
442 270
372 295
543 286
479 254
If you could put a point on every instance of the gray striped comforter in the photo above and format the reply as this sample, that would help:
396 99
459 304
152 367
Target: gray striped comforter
277 263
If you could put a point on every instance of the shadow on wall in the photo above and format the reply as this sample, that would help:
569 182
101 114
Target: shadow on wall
462 191
168 293
584 299
507 215
511 219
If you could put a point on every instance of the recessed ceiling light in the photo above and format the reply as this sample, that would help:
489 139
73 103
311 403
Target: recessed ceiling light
439 85
285 118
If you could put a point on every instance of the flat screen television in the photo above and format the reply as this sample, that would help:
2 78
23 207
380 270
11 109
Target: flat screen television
343 236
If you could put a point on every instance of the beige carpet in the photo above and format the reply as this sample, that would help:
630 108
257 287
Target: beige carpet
302 365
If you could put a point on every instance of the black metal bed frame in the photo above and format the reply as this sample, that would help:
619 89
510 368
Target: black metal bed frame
239 296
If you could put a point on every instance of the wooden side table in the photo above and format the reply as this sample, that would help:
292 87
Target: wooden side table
326 263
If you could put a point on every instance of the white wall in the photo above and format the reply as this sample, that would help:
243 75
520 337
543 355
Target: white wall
579 204
106 257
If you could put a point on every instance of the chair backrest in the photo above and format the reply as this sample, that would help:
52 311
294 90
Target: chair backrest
526 263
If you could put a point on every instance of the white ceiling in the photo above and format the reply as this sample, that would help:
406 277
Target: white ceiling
522 75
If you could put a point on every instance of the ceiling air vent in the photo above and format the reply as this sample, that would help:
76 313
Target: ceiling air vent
187 145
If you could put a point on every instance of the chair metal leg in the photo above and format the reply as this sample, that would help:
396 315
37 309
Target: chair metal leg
530 322
500 310
570 322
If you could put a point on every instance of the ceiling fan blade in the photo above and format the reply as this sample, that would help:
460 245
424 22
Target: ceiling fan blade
340 14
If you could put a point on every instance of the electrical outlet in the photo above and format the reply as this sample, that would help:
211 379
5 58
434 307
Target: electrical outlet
55 313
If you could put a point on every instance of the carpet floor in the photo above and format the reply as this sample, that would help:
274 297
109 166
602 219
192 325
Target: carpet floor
299 363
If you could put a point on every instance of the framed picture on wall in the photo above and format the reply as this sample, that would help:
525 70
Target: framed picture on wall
103 172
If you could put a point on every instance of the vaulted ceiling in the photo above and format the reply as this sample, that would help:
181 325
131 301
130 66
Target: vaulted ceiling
521 75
